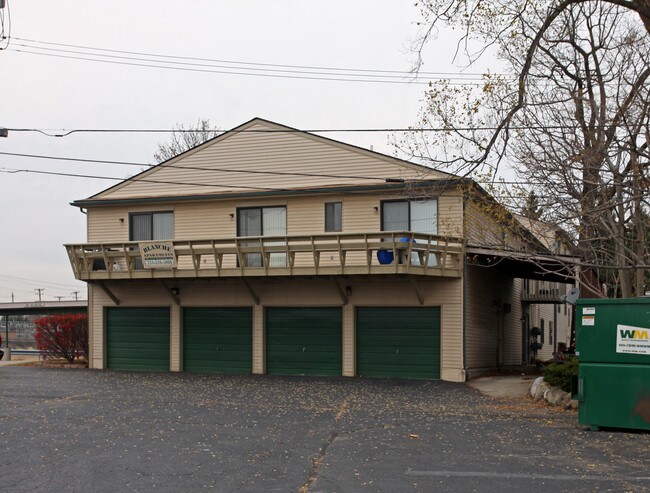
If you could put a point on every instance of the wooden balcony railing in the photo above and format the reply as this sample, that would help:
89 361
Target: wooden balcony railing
542 292
327 254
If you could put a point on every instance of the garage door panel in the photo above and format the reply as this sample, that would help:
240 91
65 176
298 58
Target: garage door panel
218 340
304 341
398 342
137 338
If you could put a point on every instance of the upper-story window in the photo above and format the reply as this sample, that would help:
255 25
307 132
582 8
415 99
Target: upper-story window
420 216
263 221
145 226
333 216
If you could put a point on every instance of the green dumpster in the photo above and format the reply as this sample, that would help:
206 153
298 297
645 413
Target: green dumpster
613 344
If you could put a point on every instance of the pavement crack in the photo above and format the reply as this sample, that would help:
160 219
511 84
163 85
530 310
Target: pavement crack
316 462
342 410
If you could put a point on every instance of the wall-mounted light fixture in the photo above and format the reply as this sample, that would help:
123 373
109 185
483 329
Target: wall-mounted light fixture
175 291
375 209
348 290
231 215
121 219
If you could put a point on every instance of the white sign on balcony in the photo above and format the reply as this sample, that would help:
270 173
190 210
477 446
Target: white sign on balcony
157 255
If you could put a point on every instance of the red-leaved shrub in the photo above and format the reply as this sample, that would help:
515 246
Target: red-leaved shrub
63 336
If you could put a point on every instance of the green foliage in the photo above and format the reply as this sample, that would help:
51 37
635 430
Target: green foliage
559 374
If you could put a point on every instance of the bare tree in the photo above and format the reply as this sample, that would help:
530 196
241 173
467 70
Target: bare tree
498 23
574 123
183 139
581 140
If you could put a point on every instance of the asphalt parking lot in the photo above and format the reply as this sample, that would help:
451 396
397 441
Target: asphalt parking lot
86 430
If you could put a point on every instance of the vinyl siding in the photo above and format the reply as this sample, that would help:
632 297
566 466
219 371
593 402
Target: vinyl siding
305 216
261 150
548 312
483 230
91 325
443 292
488 290
96 304
175 352
259 340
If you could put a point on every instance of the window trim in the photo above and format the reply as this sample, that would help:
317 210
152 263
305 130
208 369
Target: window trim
150 214
333 202
261 209
408 201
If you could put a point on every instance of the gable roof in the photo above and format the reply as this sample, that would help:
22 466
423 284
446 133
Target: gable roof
263 156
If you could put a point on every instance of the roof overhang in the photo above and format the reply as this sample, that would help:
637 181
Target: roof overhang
538 266
410 186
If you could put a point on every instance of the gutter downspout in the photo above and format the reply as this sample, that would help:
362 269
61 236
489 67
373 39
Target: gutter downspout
464 309
555 328
464 370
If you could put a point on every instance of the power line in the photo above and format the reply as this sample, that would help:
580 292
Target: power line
65 132
236 187
229 170
255 70
196 168
38 281
82 160
99 177
403 73
234 72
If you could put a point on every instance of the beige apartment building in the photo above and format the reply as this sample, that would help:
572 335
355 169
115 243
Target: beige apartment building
268 250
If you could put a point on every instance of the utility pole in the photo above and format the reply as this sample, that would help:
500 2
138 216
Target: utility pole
40 292
76 295
59 298
12 296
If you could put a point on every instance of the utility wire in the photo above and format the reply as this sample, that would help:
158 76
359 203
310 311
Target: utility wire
253 70
196 168
62 132
234 72
523 195
27 279
230 170
140 180
402 73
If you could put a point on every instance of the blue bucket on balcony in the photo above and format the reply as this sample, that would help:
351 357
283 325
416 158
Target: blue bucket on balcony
385 257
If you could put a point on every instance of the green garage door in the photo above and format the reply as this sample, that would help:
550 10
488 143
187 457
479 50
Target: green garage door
303 341
398 342
218 340
137 339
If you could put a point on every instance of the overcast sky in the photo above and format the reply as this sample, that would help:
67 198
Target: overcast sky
50 92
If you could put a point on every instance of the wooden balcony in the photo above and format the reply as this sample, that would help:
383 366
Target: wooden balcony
317 255
542 292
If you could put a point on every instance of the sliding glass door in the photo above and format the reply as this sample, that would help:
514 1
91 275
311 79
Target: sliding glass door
263 221
418 216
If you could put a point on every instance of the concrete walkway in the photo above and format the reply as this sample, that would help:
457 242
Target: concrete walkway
508 386
19 359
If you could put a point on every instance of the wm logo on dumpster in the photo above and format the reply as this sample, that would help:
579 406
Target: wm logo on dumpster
634 334
632 340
